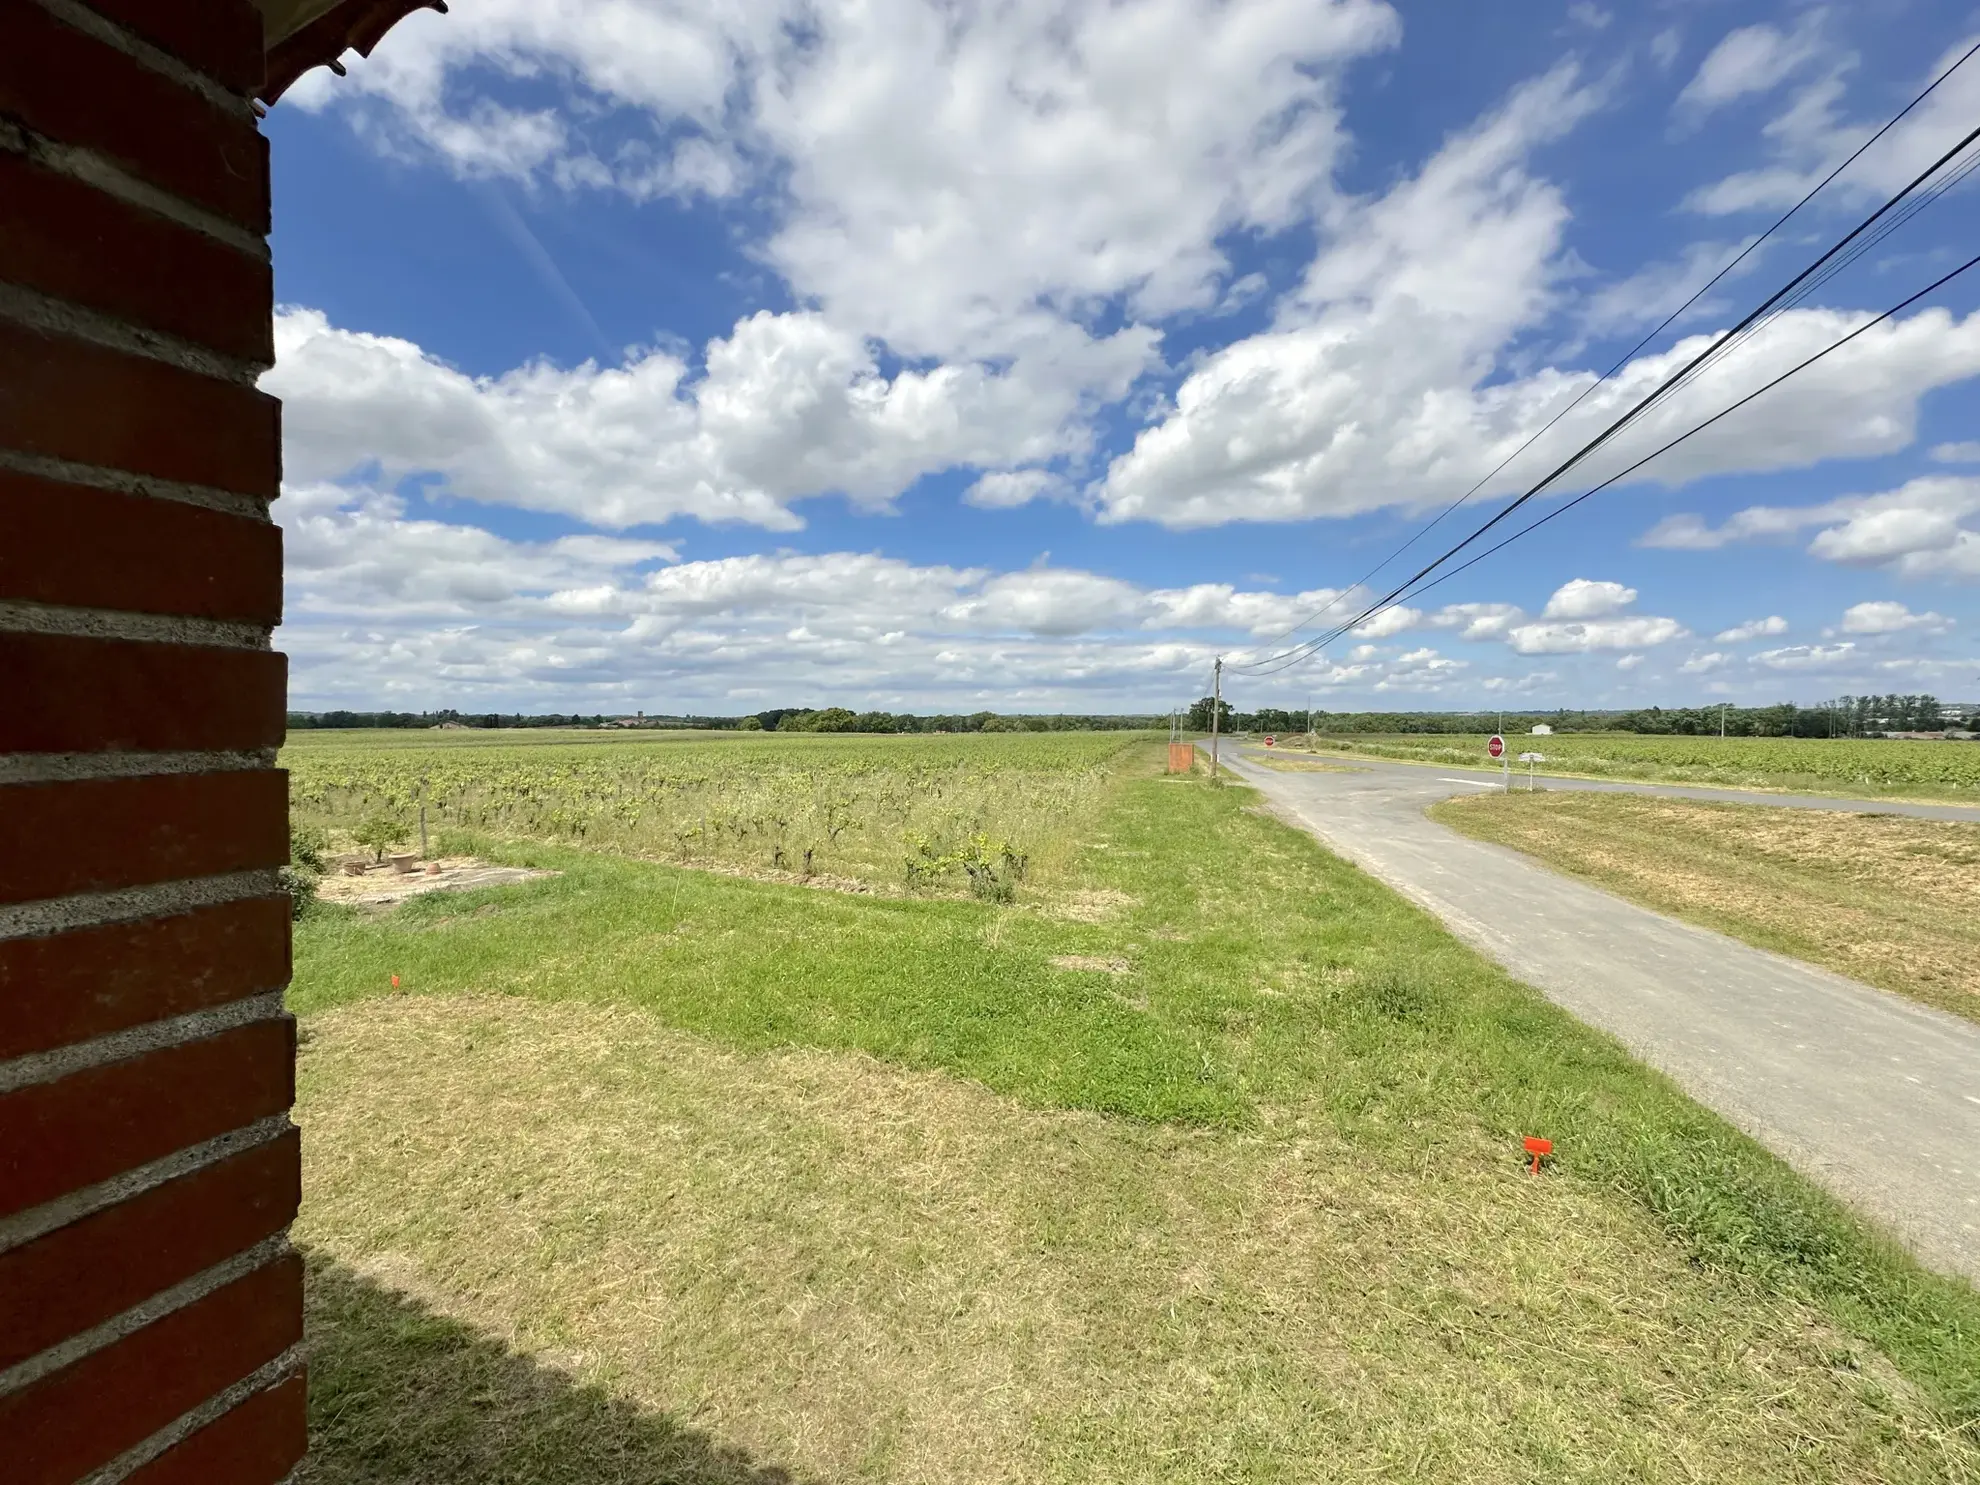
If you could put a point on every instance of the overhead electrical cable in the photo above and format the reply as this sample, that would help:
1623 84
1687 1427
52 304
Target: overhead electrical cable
1567 506
1657 394
1291 658
1666 323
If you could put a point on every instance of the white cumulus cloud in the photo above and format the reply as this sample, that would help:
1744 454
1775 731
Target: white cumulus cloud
1479 620
1388 622
1580 636
1752 59
1886 617
1812 132
1584 598
1924 528
1765 628
388 608
786 407
1807 657
1585 615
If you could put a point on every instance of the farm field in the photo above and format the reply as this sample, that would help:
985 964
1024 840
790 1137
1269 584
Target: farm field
1885 899
1848 766
1198 1158
975 812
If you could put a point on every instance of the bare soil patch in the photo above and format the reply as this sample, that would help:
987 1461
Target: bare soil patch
381 886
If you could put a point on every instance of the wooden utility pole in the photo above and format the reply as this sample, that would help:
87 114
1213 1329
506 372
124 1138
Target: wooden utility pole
1216 710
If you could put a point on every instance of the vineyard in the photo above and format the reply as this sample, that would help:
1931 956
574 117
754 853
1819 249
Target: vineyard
976 812
1838 765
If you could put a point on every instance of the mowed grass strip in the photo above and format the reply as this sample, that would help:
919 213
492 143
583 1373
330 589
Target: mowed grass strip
1886 899
565 1243
1252 999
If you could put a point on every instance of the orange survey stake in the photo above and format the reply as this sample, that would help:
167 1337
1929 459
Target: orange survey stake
1536 1147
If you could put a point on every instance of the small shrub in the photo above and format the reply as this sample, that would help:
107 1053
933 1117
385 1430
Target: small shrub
379 834
994 868
306 866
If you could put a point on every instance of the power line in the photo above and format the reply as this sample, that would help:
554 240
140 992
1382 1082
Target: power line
1606 376
1623 474
1794 286
1620 475
1630 355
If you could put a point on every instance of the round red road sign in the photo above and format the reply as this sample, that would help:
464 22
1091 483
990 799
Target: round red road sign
1496 746
1270 739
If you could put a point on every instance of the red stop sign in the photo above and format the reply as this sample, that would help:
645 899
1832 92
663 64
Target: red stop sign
1496 746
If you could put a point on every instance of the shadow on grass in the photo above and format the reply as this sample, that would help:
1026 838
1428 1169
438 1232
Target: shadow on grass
398 1393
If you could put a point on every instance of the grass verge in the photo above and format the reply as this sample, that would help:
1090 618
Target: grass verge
1886 899
1309 1244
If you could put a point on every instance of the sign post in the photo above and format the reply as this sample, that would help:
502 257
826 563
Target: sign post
1529 759
1497 748
1270 739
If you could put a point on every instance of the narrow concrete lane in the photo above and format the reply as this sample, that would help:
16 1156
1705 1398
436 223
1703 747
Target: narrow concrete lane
1493 776
1875 1097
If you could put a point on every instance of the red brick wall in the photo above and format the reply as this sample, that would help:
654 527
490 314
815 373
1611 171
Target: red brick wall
150 1305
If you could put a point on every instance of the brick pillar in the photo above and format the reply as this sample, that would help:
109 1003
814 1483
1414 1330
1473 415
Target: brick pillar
150 1306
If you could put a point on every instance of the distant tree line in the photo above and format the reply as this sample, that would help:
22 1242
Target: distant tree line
1846 716
305 721
839 719
777 719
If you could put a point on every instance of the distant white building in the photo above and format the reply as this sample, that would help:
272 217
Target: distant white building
1541 729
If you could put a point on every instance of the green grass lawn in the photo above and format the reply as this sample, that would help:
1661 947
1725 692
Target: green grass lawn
1200 1162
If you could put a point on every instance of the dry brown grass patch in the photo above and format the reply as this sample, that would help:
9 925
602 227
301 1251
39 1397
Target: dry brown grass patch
850 1270
1092 963
1299 765
1098 905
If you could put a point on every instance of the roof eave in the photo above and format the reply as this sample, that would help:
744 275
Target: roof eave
305 34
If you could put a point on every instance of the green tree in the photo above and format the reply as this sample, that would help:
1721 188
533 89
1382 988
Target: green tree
1199 715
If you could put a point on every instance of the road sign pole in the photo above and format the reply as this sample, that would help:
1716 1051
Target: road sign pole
1529 759
1216 710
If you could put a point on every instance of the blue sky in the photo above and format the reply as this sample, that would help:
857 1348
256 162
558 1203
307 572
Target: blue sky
663 355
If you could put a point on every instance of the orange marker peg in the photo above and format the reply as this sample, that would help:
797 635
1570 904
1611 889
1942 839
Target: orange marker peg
1535 1146
395 989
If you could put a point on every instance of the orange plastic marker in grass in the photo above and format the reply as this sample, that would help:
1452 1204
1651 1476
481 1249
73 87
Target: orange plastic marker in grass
395 987
1535 1146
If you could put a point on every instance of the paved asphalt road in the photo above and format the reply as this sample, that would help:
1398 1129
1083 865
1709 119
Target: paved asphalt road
1868 1093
